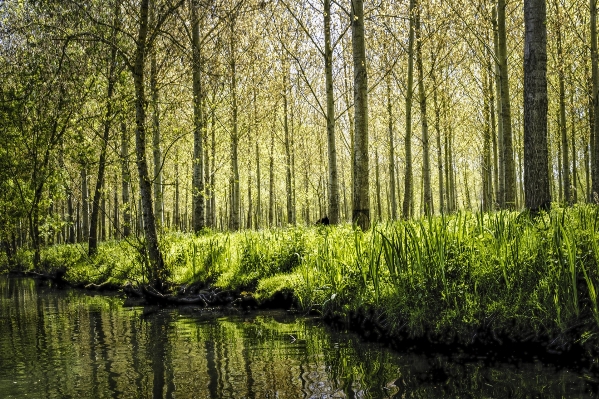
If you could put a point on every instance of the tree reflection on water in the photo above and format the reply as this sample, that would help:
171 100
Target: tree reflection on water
68 343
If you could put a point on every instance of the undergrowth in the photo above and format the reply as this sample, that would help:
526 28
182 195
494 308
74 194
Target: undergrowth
449 276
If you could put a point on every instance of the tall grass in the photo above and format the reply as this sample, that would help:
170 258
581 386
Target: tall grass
452 274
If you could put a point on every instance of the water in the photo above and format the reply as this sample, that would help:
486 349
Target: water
71 344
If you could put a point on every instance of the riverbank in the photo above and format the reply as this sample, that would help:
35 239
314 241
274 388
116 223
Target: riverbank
466 279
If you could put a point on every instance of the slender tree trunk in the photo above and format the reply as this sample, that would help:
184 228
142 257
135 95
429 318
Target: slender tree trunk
258 189
487 189
70 219
560 184
93 228
573 146
116 221
176 209
333 183
234 182
271 178
125 181
536 168
409 178
350 118
439 146
595 102
84 204
361 203
156 150
392 195
500 131
288 190
157 272
377 174
198 120
426 162
494 130
250 212
506 115
562 110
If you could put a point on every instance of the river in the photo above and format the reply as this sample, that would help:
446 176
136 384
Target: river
67 343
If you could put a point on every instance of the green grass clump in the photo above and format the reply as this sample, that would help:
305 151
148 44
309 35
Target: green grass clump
449 276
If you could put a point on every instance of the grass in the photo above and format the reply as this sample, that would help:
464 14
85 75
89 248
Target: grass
448 276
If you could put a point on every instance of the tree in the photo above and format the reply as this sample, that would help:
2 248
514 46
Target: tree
536 168
509 195
361 196
198 122
111 77
409 177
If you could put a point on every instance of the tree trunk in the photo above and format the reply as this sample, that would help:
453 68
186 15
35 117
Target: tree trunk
198 202
115 206
500 142
562 111
288 190
573 146
536 168
361 203
439 147
258 189
250 212
426 161
70 219
211 193
84 204
271 178
377 175
157 273
560 184
487 189
176 208
125 181
392 195
409 177
506 116
595 102
234 182
156 150
93 231
333 188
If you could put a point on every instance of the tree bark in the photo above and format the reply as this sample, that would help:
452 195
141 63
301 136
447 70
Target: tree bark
439 146
125 181
288 189
157 273
536 167
595 102
198 202
156 150
234 179
93 228
426 160
84 204
487 180
361 203
333 188
506 115
408 198
562 111
392 178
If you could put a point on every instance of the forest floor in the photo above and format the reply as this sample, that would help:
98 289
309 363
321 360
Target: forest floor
475 282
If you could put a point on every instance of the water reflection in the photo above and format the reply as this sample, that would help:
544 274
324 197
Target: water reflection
57 344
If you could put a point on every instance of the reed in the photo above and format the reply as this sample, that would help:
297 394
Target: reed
451 274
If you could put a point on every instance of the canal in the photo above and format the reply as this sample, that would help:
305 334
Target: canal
67 343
